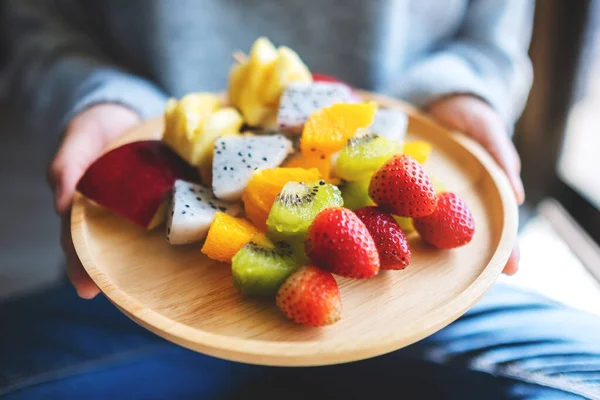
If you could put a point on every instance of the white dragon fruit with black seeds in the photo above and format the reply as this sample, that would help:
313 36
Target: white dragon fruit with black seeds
191 211
390 123
237 157
299 100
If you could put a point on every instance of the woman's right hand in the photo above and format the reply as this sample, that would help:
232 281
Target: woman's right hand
85 138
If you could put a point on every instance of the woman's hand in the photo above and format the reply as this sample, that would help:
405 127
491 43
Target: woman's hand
86 136
477 119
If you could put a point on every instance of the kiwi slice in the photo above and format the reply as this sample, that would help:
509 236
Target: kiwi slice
356 193
406 224
296 243
363 155
261 266
297 205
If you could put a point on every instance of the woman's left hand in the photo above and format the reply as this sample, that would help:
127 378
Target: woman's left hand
474 117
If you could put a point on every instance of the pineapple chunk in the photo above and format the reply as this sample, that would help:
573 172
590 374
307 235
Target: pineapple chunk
193 123
185 114
288 68
184 118
260 65
159 216
262 59
224 122
256 85
237 76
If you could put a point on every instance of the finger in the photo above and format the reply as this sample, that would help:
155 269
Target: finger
76 153
64 181
512 265
503 151
84 285
486 128
489 131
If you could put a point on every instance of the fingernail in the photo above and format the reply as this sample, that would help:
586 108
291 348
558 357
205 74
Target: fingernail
87 293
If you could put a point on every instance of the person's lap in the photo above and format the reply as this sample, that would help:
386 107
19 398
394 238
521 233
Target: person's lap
512 344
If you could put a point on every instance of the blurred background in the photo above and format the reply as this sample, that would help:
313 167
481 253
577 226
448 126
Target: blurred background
558 138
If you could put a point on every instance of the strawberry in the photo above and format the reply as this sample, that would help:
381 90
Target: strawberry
310 296
451 224
402 187
339 242
391 243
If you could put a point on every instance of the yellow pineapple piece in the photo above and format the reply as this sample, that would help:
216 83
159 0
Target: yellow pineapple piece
184 118
224 122
159 216
237 76
288 68
194 122
262 58
255 86
419 150
261 62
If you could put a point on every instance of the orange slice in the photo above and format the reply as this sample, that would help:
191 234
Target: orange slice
265 185
226 236
321 162
328 129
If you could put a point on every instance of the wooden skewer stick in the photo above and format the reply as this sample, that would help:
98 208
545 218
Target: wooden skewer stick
240 57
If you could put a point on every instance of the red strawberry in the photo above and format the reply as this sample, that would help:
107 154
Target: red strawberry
310 296
451 225
402 187
133 180
339 242
391 243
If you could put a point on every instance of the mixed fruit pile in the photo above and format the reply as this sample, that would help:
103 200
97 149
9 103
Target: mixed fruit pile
297 179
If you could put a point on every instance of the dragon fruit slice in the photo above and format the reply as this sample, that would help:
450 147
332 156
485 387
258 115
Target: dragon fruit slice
390 123
299 100
135 179
354 98
237 157
192 210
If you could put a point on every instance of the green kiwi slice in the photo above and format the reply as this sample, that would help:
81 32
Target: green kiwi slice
356 193
297 205
363 155
261 266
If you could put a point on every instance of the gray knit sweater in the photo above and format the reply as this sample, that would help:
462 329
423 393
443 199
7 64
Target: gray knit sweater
65 55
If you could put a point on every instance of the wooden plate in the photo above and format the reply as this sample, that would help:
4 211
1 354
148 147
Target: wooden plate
181 295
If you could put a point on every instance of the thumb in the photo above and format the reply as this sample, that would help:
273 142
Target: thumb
85 139
77 151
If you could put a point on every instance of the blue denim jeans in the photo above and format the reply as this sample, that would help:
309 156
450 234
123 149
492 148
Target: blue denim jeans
511 345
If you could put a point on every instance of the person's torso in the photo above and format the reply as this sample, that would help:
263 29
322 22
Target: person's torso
186 45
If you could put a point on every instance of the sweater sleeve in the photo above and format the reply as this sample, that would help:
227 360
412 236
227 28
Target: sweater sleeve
55 68
487 58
